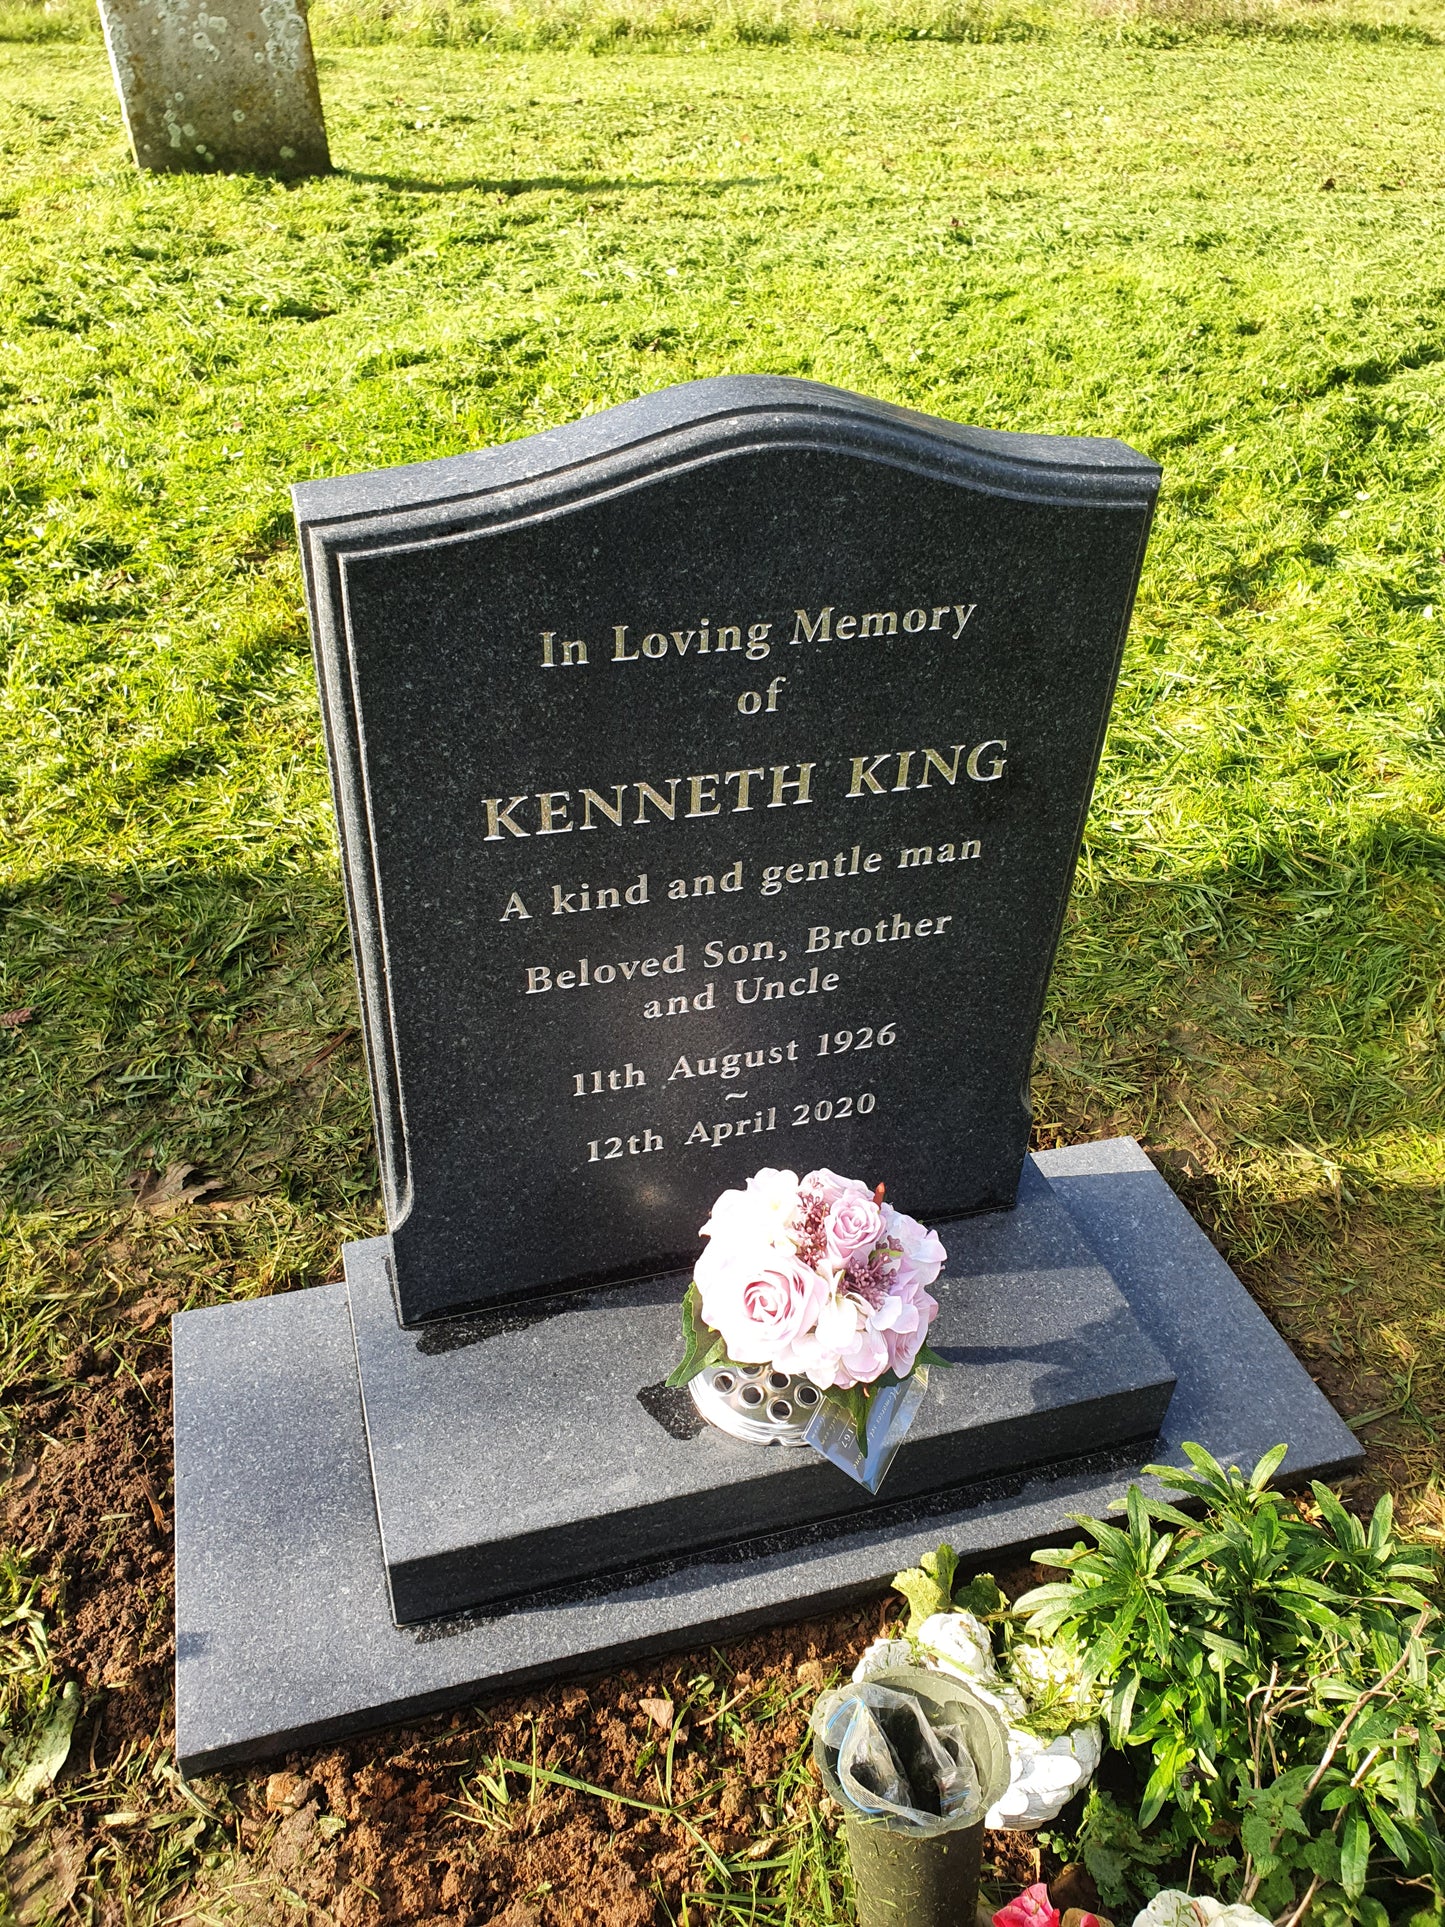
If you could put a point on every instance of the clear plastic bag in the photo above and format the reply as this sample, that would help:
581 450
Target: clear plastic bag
898 1761
892 1410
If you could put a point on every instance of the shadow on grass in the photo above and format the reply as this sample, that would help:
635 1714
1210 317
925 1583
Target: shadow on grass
545 183
1281 997
161 1016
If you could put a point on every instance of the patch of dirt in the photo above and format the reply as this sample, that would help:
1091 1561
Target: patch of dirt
40 1875
563 1859
95 1515
398 1826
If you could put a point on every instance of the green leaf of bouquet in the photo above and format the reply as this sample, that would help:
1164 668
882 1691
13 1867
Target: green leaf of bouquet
981 1597
926 1355
701 1344
854 1407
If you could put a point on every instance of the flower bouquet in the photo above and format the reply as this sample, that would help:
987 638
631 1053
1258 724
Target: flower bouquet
1040 1689
821 1282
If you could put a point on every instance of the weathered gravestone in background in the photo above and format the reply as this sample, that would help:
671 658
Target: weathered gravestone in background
203 90
710 775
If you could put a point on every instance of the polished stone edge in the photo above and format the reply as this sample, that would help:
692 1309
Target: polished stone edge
284 1636
736 409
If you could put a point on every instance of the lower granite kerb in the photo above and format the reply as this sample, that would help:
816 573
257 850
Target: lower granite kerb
526 1459
284 1631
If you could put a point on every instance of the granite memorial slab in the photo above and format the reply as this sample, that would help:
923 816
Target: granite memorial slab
520 1451
284 1630
710 775
709 779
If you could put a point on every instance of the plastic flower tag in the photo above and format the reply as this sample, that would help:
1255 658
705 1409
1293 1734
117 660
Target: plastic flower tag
819 1280
891 1410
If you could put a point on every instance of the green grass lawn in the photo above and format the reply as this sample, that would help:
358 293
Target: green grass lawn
1225 250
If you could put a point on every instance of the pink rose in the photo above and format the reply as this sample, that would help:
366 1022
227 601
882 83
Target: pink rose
921 1255
828 1186
910 1313
852 1227
1033 1908
759 1302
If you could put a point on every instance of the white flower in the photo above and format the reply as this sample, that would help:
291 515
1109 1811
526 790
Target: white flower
1169 1908
1217 1915
882 1656
921 1255
1174 1909
960 1644
845 1347
760 1214
1043 1778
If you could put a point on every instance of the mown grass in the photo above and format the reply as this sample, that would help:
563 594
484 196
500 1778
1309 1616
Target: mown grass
1224 251
527 26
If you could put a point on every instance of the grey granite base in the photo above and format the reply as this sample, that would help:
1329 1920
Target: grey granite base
522 1449
284 1632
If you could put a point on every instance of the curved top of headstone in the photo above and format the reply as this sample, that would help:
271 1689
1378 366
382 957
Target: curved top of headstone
733 412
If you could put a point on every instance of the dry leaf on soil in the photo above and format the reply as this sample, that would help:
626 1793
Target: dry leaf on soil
37 1767
163 1193
286 1792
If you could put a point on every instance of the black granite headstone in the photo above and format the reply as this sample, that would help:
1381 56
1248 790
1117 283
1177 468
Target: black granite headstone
710 776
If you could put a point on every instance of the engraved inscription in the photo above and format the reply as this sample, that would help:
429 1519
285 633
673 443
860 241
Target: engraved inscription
692 980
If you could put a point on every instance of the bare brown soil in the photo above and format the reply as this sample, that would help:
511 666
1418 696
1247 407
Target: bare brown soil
96 1509
378 1830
